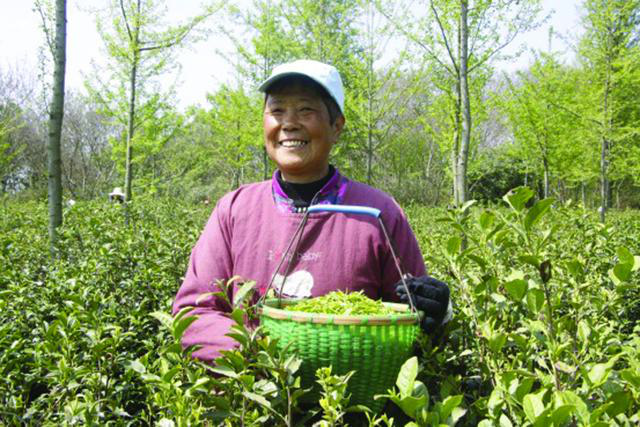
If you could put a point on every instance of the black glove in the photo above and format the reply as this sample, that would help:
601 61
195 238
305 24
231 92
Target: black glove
428 295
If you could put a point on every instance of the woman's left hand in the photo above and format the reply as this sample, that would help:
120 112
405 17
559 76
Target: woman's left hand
428 295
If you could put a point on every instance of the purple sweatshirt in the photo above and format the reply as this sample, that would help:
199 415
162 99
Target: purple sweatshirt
249 230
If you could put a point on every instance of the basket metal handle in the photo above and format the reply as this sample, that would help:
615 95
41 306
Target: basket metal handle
348 209
361 210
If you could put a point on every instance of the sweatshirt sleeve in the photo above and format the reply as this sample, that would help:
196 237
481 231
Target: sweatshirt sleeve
407 249
210 261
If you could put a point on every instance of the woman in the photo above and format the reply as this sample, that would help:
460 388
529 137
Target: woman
251 227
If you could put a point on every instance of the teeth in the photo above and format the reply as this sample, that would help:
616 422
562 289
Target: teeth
293 143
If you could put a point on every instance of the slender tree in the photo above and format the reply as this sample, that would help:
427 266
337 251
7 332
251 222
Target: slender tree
261 48
463 39
610 31
140 46
57 42
539 127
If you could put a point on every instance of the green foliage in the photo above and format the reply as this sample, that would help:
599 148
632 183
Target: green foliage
496 172
536 106
334 399
547 306
71 327
10 148
412 397
545 330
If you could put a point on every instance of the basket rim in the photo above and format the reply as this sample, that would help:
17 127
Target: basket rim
266 309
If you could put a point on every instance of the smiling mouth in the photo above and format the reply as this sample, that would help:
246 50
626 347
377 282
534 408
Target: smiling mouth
293 143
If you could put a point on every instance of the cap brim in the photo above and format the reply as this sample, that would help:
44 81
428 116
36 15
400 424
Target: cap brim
271 80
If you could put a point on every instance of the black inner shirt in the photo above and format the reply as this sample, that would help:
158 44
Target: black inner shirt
302 194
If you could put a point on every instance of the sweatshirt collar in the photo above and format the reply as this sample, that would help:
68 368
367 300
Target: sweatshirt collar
331 193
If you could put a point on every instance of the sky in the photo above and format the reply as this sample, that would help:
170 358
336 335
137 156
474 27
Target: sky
205 65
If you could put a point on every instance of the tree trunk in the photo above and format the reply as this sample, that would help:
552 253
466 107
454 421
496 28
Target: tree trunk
265 164
369 145
370 97
427 172
584 195
545 165
135 41
604 153
462 155
604 181
131 126
238 169
55 126
455 144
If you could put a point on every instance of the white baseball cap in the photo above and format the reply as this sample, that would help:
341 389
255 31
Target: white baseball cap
325 75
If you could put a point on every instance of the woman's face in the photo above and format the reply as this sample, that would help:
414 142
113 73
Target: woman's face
297 133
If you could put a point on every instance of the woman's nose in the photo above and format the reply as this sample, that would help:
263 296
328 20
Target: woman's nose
290 120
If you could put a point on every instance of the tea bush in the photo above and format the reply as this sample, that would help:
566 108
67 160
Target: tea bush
545 331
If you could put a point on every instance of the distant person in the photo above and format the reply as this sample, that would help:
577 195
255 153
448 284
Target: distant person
250 227
116 195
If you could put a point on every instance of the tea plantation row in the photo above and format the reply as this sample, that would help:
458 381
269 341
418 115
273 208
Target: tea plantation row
545 332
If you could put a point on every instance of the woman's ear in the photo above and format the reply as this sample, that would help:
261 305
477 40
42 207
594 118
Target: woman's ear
338 125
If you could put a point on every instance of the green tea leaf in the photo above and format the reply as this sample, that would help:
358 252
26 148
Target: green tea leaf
453 245
482 263
599 373
467 205
164 318
505 421
238 316
457 413
449 403
631 377
622 272
576 268
168 376
486 220
619 403
584 331
561 414
410 405
224 370
516 289
181 326
524 388
407 376
137 366
531 260
242 293
258 399
536 213
497 341
533 406
518 197
625 256
535 300
614 278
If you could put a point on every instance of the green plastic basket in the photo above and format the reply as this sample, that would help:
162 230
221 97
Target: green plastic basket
375 347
